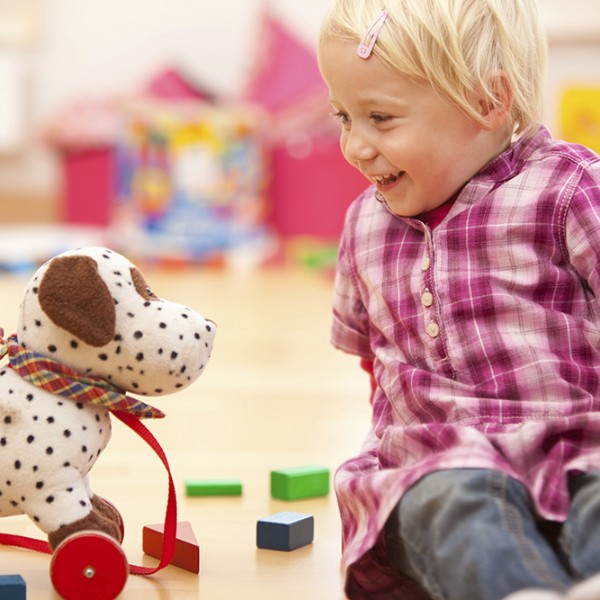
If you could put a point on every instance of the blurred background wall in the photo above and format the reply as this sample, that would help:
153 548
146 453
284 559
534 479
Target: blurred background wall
56 52
53 52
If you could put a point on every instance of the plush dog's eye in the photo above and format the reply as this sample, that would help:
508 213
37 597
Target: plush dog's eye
141 286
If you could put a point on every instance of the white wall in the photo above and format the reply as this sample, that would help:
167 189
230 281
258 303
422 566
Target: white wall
105 47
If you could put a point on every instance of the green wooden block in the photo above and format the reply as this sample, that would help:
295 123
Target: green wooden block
297 483
213 487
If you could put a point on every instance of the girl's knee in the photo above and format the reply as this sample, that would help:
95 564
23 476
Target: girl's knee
451 495
440 488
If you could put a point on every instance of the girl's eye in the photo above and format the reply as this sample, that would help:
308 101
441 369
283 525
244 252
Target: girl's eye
379 118
341 117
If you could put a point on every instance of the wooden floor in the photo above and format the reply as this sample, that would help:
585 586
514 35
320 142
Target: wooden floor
275 395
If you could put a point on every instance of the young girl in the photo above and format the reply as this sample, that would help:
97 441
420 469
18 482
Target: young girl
467 283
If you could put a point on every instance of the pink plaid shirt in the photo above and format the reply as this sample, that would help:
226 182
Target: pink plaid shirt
485 337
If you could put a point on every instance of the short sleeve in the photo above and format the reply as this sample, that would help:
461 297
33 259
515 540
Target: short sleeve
350 328
583 228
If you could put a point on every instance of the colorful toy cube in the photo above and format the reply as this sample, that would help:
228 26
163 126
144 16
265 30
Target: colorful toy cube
191 181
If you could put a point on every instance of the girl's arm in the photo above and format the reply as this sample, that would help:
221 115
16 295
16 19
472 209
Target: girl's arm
367 365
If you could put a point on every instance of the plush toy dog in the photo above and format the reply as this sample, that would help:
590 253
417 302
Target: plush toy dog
89 330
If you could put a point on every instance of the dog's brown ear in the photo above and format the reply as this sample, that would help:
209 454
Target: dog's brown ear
75 298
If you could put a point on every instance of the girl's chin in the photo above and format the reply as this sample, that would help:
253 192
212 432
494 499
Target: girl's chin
401 208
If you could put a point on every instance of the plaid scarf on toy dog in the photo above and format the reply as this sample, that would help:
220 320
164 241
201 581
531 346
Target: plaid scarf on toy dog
52 376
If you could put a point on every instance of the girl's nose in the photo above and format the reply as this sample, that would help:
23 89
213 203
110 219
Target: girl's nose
356 145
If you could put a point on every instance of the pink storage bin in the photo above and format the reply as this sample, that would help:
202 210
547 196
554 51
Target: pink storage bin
311 183
88 186
311 190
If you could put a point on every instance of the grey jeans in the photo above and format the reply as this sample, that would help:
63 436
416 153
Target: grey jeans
472 533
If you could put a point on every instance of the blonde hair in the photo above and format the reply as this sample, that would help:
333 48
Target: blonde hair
457 46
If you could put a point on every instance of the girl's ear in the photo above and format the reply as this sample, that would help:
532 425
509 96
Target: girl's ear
496 110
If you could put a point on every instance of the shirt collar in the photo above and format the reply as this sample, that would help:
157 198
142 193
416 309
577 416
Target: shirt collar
499 169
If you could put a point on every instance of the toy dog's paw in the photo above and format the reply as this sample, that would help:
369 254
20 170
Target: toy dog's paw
95 521
109 510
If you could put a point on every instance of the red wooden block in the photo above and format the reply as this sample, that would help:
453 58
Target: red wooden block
187 551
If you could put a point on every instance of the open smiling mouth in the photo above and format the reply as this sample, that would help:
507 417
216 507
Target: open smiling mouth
387 179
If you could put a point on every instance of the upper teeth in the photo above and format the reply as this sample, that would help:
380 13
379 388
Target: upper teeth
387 178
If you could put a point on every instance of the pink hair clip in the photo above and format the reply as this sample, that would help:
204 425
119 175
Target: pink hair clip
366 44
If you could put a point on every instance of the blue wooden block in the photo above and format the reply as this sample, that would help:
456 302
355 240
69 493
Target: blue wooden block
12 587
285 531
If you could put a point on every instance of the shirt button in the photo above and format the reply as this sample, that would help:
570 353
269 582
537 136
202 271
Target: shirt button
427 299
433 329
425 263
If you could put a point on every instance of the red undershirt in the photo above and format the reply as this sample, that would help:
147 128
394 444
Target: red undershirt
434 217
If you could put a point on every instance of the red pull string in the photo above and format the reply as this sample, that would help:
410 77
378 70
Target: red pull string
170 528
21 541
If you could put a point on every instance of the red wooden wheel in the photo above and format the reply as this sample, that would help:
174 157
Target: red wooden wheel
89 565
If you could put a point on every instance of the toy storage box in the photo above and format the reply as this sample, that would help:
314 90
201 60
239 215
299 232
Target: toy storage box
191 181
